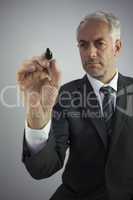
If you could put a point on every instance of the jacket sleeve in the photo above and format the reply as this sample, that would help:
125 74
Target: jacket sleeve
51 157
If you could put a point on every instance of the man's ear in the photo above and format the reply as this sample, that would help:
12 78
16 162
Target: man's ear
117 47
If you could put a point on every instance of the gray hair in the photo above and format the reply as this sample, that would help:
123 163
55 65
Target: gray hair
113 22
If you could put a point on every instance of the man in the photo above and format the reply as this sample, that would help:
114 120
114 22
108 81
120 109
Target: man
92 116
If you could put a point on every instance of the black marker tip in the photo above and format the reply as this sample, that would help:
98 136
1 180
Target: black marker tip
48 54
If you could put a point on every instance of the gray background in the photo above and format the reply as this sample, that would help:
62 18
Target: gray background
26 29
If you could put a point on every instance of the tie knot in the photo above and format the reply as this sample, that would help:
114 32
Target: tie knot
108 90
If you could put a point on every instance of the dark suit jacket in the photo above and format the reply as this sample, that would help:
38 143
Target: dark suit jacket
95 169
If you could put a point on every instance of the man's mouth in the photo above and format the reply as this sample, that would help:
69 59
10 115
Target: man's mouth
91 62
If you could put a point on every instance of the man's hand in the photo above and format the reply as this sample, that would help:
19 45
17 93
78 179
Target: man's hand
39 80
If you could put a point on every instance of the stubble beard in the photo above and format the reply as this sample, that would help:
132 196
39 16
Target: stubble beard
98 74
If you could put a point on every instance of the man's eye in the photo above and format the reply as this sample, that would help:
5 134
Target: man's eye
82 45
101 44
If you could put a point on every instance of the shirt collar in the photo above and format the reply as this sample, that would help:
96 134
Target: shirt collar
96 84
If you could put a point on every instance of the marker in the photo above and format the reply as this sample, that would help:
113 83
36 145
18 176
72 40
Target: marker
48 54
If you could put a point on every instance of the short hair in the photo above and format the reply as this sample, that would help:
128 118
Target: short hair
113 22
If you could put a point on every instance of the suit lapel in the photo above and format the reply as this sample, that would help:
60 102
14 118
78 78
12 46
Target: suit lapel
119 116
93 111
97 120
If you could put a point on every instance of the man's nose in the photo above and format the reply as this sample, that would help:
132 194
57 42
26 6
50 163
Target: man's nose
92 51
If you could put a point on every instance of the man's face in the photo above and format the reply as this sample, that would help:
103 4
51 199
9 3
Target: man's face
98 51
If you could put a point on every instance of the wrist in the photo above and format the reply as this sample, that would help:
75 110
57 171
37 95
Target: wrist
37 118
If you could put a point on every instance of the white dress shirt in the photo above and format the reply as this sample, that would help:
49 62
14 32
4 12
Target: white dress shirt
96 85
36 139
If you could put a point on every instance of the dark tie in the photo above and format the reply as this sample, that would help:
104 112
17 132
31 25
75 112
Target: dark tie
108 107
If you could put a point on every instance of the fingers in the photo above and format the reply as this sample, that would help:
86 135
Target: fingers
39 69
35 64
55 73
33 70
40 62
33 80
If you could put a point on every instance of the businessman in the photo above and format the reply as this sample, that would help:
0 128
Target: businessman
92 116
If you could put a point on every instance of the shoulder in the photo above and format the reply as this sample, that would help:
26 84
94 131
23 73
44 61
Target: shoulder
72 85
128 79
